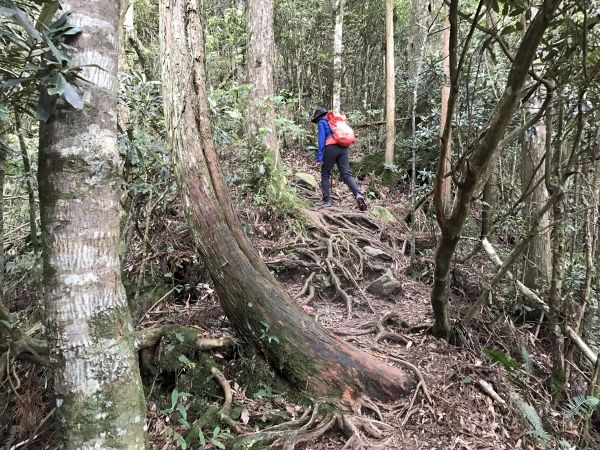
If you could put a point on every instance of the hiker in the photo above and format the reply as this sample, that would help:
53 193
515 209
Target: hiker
331 152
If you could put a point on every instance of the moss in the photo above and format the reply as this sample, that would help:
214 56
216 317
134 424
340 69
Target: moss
557 387
368 164
95 416
178 341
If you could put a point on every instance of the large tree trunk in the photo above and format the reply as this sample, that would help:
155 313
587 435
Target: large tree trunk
390 87
538 254
258 308
537 267
99 394
474 166
261 65
337 55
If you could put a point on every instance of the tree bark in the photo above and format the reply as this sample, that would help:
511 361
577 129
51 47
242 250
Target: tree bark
446 153
489 202
337 55
390 86
3 310
537 267
257 307
484 152
99 395
261 66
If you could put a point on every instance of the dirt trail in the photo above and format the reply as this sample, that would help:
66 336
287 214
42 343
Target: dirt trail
459 415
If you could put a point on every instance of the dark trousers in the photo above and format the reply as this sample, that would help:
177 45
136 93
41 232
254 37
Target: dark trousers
335 154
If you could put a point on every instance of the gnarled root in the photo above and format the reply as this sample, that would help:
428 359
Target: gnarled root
225 417
313 424
378 327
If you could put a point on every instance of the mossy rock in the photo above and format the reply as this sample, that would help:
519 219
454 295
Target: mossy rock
383 213
307 179
373 163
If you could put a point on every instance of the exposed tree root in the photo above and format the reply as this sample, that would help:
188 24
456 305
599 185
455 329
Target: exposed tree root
333 244
225 417
378 327
315 422
417 372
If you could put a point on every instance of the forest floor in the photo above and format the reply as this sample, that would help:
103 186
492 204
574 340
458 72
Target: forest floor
450 410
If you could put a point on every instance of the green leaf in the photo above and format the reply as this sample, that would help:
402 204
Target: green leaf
72 97
184 360
201 437
23 20
46 14
217 443
180 440
216 431
181 410
59 84
174 398
179 337
56 52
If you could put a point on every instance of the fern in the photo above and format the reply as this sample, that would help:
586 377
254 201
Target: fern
500 356
527 361
529 413
581 406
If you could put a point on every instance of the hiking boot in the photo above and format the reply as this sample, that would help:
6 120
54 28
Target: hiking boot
362 205
323 203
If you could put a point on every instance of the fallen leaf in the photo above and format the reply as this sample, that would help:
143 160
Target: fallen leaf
245 417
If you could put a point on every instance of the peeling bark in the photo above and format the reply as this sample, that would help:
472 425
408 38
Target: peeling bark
256 305
99 395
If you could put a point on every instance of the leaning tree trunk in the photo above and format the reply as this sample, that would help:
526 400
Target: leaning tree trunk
261 62
99 395
258 308
337 55
390 88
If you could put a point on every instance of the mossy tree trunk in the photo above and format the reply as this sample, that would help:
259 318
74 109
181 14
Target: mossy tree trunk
483 154
99 395
261 65
256 305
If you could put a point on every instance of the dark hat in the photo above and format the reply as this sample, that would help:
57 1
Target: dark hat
319 112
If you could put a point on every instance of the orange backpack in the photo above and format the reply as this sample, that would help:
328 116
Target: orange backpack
342 133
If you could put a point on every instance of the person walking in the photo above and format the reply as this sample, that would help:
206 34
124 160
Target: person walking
330 153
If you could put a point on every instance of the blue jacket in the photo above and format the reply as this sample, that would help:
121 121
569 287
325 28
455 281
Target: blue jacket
324 133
